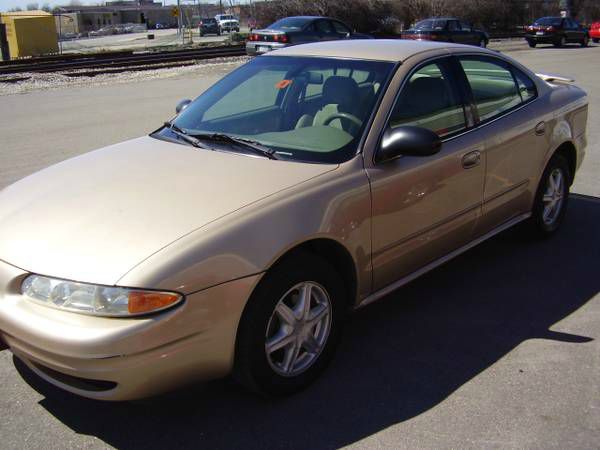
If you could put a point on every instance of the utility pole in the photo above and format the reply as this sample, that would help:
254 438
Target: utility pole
180 21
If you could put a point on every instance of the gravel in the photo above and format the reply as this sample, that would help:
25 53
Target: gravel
44 81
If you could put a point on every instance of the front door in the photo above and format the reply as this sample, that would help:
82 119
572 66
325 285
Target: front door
426 207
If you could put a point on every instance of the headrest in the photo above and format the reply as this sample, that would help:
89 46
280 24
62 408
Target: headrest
340 90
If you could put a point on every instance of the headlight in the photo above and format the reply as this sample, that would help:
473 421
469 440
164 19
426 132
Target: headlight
95 299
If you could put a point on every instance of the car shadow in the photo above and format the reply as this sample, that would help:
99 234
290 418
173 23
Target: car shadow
400 357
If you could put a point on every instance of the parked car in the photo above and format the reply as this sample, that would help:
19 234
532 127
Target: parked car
105 31
305 184
595 32
227 22
209 25
557 31
298 30
447 29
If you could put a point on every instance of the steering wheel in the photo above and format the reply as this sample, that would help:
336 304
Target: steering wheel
342 115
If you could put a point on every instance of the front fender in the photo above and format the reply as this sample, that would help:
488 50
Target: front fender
335 205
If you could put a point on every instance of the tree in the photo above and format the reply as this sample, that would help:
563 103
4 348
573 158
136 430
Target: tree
32 6
46 7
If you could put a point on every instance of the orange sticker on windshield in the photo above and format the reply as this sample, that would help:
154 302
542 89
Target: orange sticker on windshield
283 84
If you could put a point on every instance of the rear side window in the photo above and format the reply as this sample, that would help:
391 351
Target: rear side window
526 86
493 86
429 100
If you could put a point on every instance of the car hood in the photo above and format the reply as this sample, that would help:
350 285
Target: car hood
94 217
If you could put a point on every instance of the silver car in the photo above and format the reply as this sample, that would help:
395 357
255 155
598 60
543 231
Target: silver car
299 30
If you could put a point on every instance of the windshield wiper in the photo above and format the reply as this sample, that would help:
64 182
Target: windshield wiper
184 136
249 144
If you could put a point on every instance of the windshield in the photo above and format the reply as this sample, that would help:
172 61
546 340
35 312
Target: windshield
548 21
227 17
290 23
430 24
303 108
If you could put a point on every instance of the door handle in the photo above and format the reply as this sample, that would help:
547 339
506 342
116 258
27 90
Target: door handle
471 159
540 129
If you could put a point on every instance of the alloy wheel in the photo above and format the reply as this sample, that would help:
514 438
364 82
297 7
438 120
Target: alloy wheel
553 197
298 329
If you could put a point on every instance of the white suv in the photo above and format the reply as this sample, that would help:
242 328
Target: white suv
228 22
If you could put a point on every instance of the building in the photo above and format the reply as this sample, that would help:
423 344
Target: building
147 12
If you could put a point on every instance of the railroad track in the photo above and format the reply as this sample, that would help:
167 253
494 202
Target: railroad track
108 62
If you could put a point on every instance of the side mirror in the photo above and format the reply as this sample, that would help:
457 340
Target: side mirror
182 105
408 141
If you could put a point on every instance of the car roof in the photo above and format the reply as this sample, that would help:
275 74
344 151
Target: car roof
394 50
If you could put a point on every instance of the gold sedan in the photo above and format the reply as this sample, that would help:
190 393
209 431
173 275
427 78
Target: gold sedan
307 183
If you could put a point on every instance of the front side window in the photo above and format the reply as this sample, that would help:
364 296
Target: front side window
340 28
492 84
324 27
429 100
304 108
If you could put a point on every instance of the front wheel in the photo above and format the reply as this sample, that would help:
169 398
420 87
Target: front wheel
585 42
532 44
551 198
596 40
560 42
291 326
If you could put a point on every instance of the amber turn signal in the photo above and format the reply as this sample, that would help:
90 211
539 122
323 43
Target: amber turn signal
145 301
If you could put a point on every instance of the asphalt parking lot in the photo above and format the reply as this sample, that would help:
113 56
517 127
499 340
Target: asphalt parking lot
506 357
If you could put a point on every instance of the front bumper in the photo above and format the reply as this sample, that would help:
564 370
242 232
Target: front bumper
124 359
542 39
254 48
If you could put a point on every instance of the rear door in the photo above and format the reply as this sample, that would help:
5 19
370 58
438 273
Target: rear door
511 136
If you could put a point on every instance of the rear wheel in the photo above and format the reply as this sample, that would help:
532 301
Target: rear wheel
291 326
482 43
596 40
551 198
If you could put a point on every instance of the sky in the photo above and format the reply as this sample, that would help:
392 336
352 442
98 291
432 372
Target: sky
8 4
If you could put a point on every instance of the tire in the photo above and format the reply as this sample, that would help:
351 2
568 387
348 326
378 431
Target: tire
532 44
266 373
585 42
482 43
539 224
561 42
596 40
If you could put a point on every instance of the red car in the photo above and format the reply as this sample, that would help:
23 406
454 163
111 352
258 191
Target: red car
595 32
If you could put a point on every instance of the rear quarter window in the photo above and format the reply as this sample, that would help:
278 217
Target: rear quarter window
493 86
